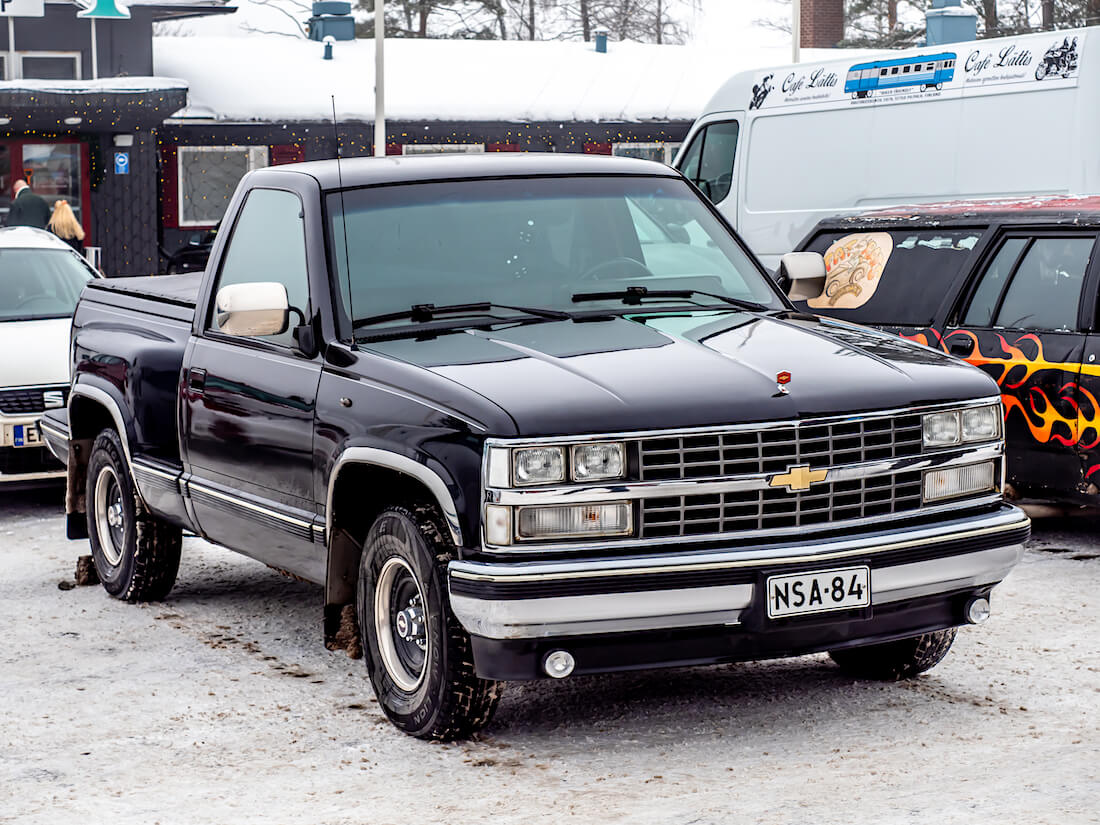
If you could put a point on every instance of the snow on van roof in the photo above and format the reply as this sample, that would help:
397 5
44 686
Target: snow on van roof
1032 203
278 78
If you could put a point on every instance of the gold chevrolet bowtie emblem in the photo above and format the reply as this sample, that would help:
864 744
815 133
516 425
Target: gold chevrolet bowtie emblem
798 479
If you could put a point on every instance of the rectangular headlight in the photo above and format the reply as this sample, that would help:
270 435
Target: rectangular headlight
981 423
595 462
942 429
954 482
538 465
575 521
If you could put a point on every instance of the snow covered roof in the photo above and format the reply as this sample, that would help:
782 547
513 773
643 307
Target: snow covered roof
105 85
277 78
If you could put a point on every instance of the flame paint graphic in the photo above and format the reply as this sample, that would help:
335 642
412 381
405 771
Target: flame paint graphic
1081 428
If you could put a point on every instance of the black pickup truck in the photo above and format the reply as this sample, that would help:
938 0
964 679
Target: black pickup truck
532 416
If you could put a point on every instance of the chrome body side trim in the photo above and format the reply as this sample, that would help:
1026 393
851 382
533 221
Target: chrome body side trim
401 464
640 609
244 504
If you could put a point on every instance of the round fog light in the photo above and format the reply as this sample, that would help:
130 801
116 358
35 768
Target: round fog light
978 611
558 664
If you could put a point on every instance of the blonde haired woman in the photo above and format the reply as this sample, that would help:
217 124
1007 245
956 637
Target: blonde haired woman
64 224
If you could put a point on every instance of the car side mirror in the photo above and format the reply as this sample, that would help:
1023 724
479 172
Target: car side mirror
252 309
805 272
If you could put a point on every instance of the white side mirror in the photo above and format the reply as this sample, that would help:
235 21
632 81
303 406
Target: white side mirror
252 309
806 272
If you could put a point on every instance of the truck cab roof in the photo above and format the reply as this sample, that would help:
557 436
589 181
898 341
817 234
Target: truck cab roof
369 171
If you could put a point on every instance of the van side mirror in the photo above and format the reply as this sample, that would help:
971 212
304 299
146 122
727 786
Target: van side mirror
252 309
805 272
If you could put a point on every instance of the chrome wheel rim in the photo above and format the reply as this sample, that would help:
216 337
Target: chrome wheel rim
401 625
110 517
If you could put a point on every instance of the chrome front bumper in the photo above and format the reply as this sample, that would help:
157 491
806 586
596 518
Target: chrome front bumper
531 600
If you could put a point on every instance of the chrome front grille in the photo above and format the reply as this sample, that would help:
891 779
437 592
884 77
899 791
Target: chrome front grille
776 449
28 400
777 509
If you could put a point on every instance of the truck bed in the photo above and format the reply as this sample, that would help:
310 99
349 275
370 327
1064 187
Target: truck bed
172 296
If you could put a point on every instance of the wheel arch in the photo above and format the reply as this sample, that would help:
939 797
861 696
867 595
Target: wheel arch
372 479
92 409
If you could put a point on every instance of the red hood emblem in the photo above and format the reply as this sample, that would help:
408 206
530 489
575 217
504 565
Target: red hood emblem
783 378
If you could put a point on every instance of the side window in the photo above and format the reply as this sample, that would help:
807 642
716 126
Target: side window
268 244
984 303
1045 290
708 161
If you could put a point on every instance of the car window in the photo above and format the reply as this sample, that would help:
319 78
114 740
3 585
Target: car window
1045 290
268 244
708 161
890 277
40 283
984 303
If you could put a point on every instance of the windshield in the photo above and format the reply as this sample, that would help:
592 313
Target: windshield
40 283
534 243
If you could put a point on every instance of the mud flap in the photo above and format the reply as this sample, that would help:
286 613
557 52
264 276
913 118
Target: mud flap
76 522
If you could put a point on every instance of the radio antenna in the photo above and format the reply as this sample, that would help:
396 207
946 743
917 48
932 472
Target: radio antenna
343 220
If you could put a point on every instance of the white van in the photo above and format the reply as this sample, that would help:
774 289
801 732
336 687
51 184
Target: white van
779 149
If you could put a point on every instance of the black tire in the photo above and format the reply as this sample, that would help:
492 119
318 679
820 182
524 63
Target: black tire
893 661
424 680
136 554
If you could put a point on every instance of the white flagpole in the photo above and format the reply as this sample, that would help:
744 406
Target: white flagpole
796 30
95 54
379 78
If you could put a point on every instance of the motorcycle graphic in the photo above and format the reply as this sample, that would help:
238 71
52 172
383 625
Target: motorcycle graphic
760 92
1058 60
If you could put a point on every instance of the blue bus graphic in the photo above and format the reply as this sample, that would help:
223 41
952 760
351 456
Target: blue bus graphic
928 71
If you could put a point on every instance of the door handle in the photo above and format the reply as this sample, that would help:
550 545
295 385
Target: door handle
962 348
196 380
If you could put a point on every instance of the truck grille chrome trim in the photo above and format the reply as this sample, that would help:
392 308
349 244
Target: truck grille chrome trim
817 446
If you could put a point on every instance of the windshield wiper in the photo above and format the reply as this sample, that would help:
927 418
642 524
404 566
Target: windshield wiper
633 295
422 313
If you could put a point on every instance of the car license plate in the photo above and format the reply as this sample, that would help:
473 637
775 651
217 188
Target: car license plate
22 435
816 592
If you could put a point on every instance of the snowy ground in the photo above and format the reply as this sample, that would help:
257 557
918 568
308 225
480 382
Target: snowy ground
221 706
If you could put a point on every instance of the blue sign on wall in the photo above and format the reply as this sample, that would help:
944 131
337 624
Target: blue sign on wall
122 163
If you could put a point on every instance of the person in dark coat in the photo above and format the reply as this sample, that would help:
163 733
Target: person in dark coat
27 208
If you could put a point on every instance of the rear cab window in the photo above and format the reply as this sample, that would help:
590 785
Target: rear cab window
890 277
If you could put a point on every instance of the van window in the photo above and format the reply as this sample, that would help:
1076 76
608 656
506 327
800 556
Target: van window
890 278
708 161
1045 290
984 303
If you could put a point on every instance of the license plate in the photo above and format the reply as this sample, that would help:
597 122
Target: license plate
22 435
801 593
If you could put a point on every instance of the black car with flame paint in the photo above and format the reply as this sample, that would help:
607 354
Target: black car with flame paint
1009 285
530 416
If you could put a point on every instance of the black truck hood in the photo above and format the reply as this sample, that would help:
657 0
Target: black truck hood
691 369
